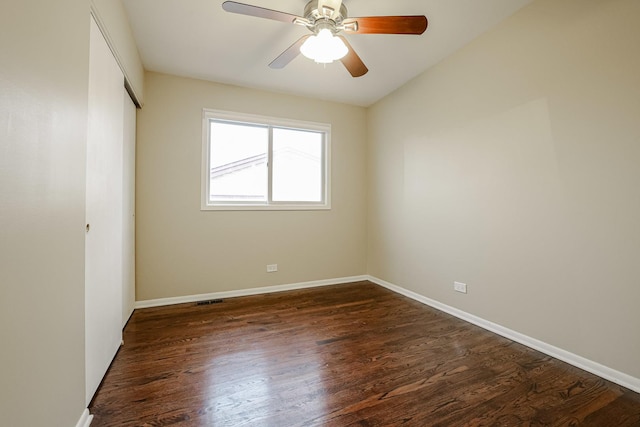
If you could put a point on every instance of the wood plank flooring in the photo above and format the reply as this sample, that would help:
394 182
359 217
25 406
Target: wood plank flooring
346 355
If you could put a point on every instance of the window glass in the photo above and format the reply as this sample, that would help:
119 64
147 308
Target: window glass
297 165
238 162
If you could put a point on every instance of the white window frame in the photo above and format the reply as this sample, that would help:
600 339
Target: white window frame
272 122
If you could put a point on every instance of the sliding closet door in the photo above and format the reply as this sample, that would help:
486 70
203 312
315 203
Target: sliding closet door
104 208
129 210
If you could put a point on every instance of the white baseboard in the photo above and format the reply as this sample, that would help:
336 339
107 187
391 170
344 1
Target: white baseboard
85 419
598 369
246 292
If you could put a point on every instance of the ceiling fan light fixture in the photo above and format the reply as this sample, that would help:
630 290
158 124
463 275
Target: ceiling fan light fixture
324 47
325 19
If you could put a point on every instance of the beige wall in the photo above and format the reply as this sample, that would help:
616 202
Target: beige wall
44 53
182 250
513 166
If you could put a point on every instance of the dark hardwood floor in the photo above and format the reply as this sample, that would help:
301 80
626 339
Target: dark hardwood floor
346 355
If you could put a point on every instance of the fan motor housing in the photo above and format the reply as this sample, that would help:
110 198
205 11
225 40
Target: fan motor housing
312 13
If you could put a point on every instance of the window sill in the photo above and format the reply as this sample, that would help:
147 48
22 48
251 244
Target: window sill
257 207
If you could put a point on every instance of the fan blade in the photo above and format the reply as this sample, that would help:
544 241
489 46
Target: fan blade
290 54
330 7
352 61
415 24
260 12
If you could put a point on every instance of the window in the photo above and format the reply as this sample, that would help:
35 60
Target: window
264 163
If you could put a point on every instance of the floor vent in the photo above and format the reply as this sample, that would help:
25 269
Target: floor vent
209 302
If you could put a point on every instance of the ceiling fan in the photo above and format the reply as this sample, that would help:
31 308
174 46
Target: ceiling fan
326 19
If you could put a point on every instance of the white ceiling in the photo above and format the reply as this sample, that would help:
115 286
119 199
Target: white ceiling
198 39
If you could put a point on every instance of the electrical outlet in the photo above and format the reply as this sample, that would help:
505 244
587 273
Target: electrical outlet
272 268
460 287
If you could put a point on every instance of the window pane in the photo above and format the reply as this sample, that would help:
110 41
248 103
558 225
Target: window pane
297 165
238 162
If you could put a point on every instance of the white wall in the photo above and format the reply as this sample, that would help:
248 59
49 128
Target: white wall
44 50
184 251
512 166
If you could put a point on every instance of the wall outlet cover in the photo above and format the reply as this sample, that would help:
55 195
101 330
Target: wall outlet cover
460 287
